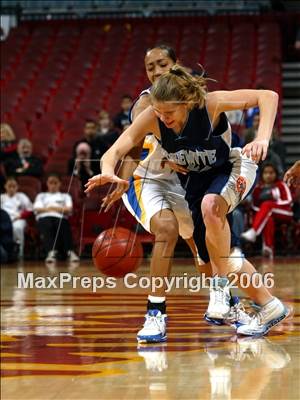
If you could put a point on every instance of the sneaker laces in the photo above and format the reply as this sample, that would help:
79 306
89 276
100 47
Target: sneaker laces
219 295
151 319
240 311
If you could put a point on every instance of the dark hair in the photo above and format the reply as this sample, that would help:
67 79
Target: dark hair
54 175
90 121
178 85
168 49
269 164
11 178
127 96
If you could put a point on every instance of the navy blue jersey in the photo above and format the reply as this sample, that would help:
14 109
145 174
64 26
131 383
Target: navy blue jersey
198 147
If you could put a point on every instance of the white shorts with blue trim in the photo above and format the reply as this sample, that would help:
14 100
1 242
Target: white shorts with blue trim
147 197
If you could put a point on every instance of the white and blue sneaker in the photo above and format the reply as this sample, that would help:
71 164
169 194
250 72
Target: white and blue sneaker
154 329
270 315
219 301
237 315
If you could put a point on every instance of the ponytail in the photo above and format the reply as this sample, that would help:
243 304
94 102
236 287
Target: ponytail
178 85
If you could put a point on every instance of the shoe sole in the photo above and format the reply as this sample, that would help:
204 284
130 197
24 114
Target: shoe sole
214 321
151 339
270 324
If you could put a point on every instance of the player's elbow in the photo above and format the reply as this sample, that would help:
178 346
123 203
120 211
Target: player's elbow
271 96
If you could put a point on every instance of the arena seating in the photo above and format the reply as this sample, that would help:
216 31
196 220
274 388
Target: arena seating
59 73
56 74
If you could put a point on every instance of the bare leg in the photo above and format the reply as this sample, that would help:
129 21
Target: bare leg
192 245
259 295
214 209
164 226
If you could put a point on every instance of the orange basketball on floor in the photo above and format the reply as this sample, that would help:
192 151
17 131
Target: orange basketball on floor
117 251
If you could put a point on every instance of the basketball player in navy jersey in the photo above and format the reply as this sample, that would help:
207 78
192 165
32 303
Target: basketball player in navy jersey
166 213
193 130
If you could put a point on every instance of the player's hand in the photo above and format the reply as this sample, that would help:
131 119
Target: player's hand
174 166
257 150
102 179
115 195
292 175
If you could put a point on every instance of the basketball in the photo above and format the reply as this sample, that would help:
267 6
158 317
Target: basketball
116 252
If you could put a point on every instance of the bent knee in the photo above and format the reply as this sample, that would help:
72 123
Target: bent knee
166 230
214 208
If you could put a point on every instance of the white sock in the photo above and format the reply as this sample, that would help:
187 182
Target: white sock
156 299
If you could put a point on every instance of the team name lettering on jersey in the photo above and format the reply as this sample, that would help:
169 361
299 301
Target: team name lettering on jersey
194 160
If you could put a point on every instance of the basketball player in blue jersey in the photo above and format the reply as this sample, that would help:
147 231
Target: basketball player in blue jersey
156 199
192 128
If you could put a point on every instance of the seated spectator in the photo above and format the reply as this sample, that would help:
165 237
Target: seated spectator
105 129
235 117
52 209
272 156
250 133
24 163
18 206
250 116
8 142
272 202
122 118
7 244
97 145
81 165
278 147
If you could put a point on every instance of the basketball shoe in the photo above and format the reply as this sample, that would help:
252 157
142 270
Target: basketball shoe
154 329
270 315
237 315
219 301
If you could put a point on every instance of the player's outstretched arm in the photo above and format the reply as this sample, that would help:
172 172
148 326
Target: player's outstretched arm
145 123
130 161
267 102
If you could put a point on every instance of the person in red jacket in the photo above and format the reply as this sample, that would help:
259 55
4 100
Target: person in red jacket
272 202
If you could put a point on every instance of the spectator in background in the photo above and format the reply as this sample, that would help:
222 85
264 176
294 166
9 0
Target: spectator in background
250 115
52 209
235 117
81 165
24 163
97 145
292 178
275 144
251 132
272 202
7 244
8 142
18 206
122 118
105 129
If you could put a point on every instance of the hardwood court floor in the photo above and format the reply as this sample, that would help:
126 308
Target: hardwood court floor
64 343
